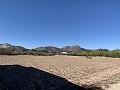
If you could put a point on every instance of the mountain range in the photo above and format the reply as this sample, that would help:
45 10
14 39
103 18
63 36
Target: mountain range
74 48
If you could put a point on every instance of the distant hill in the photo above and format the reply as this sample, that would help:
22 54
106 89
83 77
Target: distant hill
18 48
75 48
5 45
12 47
49 49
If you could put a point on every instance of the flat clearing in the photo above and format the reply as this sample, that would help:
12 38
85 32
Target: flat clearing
98 71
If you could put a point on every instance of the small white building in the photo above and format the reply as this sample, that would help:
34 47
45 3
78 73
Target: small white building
65 53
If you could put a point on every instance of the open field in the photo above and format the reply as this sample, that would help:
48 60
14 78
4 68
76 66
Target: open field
98 71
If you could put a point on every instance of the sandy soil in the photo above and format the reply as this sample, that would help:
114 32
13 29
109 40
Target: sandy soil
98 71
114 87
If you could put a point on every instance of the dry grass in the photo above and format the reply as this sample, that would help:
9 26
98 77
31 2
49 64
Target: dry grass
98 71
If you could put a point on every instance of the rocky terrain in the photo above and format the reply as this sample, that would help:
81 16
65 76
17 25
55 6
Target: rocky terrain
16 77
95 73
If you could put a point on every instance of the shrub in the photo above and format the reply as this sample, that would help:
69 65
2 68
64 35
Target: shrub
89 57
4 51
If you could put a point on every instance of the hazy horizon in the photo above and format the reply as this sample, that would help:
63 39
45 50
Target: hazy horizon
91 24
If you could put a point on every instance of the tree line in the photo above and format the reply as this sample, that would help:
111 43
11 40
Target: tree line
99 52
9 51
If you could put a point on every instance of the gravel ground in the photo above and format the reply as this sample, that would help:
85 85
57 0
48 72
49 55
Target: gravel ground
98 71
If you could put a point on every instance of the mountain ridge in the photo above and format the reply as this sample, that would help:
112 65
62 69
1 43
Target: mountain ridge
12 47
74 48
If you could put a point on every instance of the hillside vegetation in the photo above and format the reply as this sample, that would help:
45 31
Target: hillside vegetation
99 52
7 49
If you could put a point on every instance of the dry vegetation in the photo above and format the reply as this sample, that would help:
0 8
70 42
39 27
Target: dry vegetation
98 71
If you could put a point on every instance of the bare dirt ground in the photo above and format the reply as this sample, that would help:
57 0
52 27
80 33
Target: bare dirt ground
98 71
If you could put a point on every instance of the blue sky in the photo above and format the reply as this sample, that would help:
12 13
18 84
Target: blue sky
88 23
